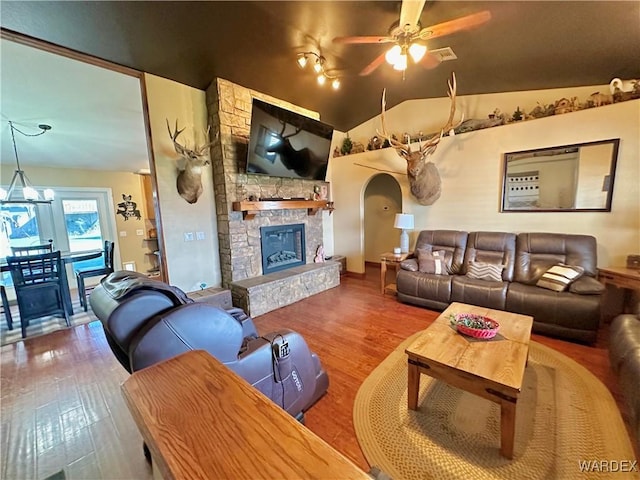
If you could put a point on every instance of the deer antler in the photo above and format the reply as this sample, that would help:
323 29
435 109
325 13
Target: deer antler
400 148
174 136
430 146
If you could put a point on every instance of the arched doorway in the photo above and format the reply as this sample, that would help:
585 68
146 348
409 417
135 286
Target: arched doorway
382 200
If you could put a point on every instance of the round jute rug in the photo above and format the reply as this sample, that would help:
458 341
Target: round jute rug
565 416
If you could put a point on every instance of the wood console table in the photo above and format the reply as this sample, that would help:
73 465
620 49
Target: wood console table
621 277
249 209
200 420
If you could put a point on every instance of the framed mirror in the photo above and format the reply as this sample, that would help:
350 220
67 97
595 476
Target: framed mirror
568 178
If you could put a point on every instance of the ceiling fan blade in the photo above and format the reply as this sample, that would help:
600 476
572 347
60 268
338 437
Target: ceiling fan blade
379 60
429 61
452 26
410 12
364 39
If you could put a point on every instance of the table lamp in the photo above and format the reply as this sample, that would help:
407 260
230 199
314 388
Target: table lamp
405 222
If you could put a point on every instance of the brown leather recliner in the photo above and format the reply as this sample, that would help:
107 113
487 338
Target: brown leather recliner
147 321
624 355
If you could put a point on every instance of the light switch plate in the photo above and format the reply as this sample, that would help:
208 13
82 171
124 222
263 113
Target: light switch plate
188 236
140 232
199 235
123 233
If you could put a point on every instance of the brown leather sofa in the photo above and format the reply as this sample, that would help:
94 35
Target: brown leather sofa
572 314
624 354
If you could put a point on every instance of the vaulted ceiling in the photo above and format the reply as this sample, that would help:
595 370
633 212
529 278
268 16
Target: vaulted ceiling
526 45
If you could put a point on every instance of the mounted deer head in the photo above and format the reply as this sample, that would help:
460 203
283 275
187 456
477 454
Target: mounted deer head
189 181
424 178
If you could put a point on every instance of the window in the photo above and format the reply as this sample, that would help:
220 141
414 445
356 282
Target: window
19 227
78 220
83 224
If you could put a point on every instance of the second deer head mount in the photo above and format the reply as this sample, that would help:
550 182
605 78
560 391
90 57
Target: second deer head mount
189 181
424 178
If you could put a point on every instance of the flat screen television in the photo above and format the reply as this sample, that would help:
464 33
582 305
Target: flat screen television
283 143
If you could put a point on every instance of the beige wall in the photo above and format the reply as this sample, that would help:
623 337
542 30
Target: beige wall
470 165
128 248
188 263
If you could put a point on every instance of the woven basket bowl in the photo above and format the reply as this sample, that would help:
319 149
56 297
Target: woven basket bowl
484 333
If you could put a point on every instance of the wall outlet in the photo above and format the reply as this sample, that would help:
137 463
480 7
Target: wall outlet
140 232
123 233
188 236
199 235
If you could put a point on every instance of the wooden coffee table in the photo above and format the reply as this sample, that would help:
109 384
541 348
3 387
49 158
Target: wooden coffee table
492 369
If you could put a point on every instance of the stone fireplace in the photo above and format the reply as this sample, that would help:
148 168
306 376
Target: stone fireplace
229 112
282 247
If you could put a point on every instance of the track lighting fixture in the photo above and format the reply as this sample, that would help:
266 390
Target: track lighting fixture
319 68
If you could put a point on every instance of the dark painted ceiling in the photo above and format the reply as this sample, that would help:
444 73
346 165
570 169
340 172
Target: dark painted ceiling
525 46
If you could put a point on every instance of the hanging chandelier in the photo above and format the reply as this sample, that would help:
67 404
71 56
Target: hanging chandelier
20 189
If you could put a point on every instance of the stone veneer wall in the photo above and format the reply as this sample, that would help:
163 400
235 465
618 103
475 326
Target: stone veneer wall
229 112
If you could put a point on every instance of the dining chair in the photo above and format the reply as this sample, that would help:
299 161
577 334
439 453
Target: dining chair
32 249
6 309
102 271
38 282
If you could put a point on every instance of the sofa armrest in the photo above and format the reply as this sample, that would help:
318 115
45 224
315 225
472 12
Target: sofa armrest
587 286
410 264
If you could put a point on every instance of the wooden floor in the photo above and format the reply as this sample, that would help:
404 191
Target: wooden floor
61 405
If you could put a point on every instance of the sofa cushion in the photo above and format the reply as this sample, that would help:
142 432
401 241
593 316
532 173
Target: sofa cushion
451 241
587 286
537 252
559 277
485 271
433 262
556 313
436 288
492 247
465 289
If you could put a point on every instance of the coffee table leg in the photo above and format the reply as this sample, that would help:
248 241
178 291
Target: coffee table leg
507 427
413 386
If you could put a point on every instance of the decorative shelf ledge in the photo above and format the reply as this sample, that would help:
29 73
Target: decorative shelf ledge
249 209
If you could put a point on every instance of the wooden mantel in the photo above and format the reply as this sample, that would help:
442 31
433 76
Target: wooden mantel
250 208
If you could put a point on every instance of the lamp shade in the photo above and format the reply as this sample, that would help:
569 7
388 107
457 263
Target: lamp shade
404 221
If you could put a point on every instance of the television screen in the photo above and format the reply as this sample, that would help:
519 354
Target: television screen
283 143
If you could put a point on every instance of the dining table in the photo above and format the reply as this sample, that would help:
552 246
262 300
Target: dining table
67 258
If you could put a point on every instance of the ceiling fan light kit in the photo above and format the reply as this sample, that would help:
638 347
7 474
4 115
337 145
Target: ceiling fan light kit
407 36
319 69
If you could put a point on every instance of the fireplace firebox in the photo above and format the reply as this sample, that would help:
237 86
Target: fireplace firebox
282 247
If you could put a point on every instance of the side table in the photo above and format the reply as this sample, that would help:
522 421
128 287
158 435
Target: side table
394 260
621 277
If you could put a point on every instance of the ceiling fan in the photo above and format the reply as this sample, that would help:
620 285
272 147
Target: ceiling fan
408 37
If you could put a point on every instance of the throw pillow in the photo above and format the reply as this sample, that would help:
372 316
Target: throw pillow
432 262
485 271
559 277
